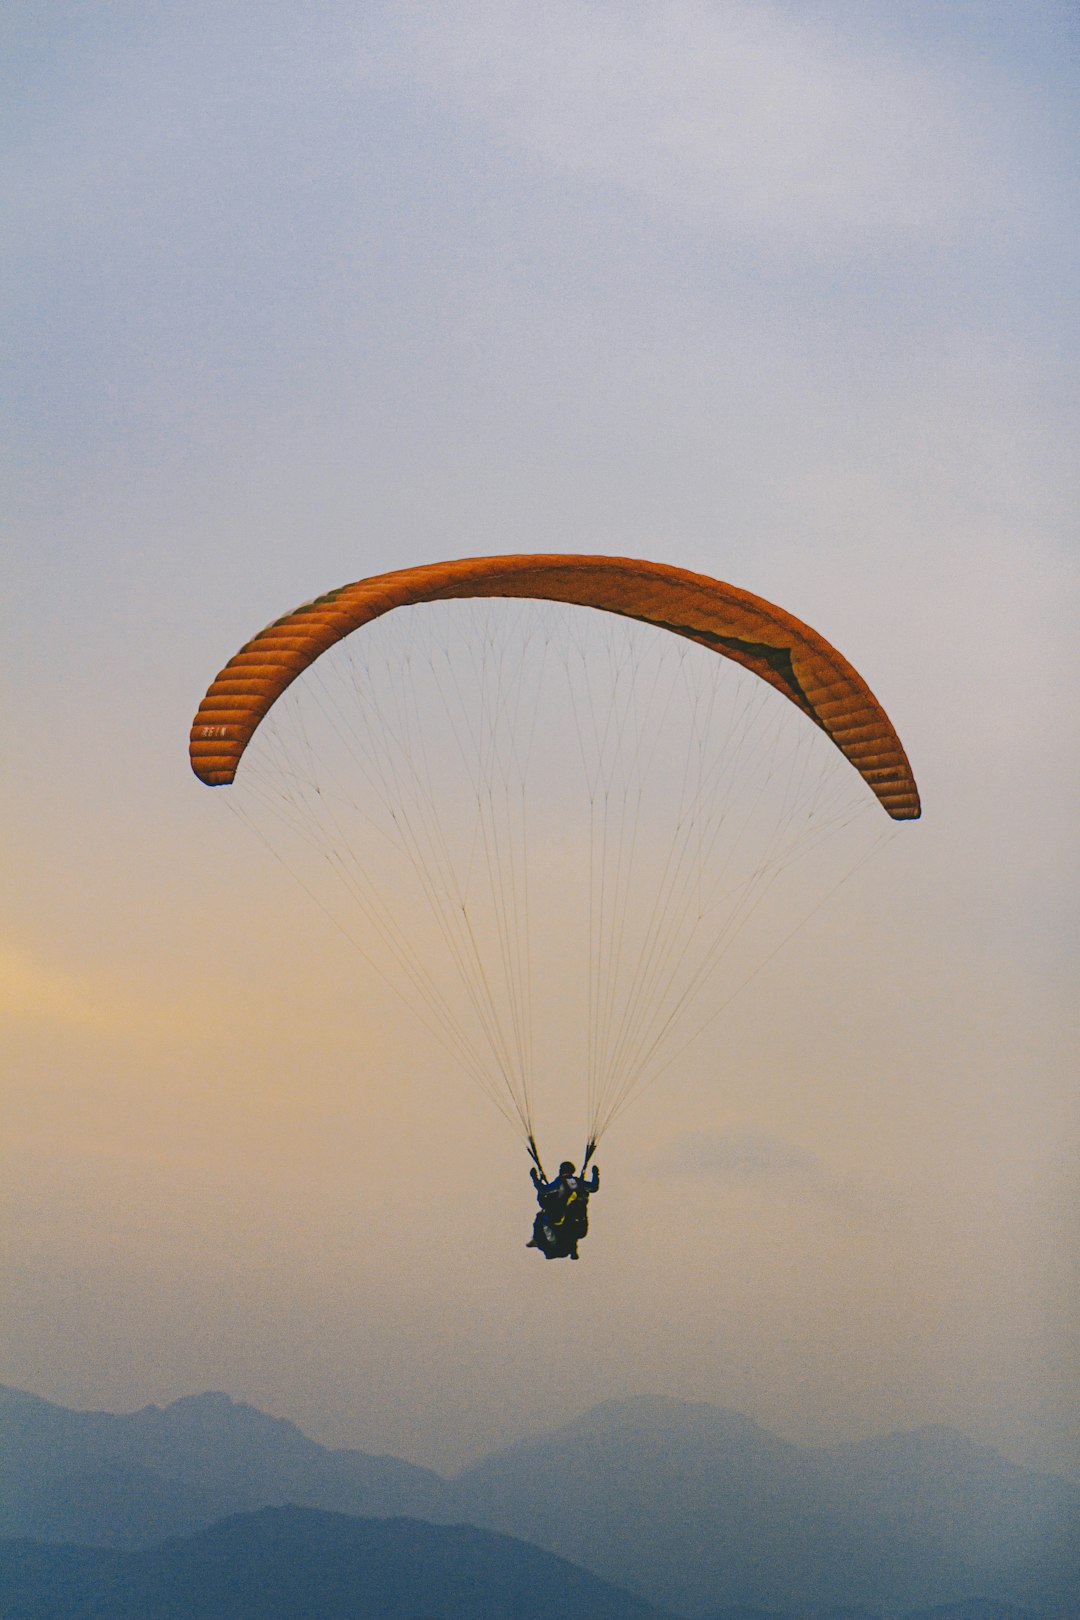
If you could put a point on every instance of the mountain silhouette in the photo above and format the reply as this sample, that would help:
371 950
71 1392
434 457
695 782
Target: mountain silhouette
690 1507
128 1480
303 1564
706 1507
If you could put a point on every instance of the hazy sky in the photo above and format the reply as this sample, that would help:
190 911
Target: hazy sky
784 293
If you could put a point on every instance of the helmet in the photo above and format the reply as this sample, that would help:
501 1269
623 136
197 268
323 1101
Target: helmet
566 1168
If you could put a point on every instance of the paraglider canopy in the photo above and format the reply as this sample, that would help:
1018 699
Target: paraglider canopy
773 644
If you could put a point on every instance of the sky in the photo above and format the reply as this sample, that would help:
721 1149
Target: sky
781 293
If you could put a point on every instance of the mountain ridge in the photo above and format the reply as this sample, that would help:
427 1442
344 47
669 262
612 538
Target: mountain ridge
292 1563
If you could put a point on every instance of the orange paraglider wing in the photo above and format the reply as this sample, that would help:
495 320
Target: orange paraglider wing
783 651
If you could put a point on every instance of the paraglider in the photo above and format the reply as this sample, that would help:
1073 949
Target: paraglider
562 1219
698 726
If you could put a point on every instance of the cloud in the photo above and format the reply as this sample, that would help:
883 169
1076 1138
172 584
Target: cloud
722 1155
743 116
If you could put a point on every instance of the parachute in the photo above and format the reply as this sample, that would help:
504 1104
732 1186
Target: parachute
542 806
